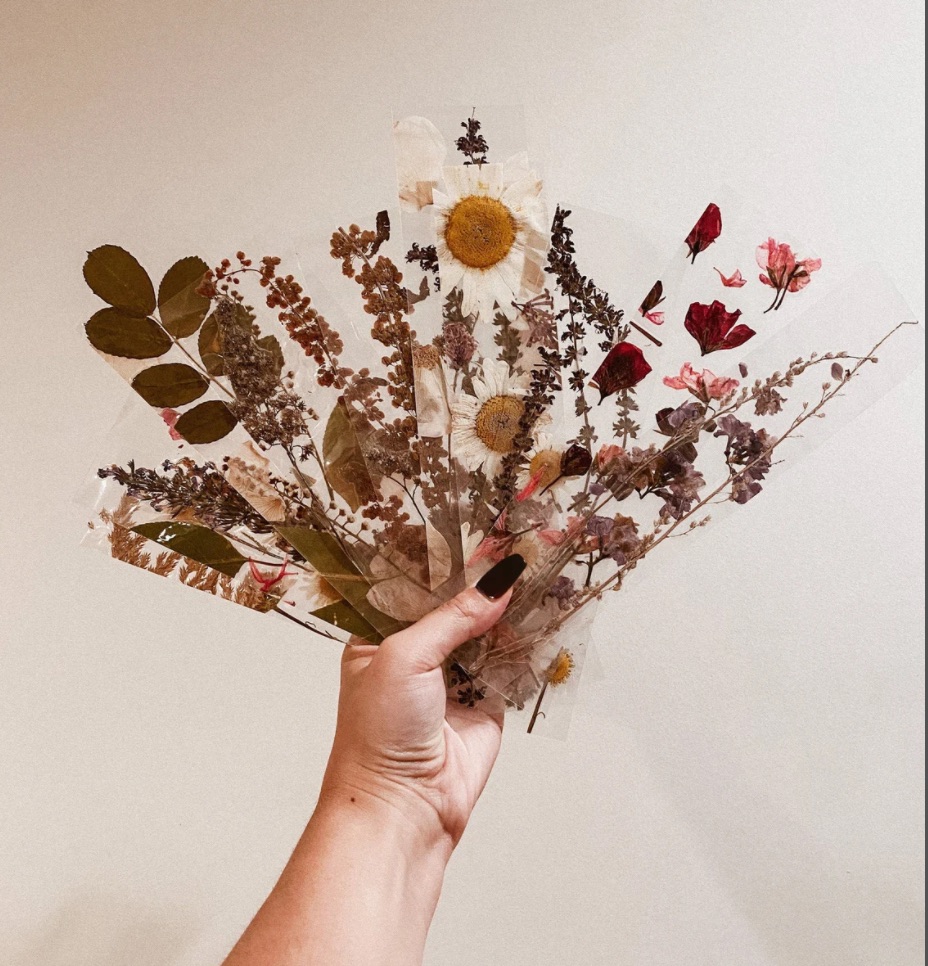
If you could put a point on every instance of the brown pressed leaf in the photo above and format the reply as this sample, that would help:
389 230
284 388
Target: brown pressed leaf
129 336
116 276
346 468
169 385
206 423
182 309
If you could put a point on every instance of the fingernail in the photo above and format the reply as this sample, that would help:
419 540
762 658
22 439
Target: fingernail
500 577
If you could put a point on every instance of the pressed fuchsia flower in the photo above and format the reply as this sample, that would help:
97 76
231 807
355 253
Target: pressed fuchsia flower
703 385
170 417
705 231
624 367
735 280
782 271
267 582
714 328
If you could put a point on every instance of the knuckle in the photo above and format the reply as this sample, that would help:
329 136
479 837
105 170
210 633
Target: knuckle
463 608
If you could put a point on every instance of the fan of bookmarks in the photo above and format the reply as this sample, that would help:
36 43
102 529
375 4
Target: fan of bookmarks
484 372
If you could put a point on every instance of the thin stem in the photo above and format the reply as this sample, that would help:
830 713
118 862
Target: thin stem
536 711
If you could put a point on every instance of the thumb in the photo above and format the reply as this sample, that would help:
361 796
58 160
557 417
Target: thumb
425 644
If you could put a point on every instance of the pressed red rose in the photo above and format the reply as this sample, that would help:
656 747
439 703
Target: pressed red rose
705 231
624 366
713 327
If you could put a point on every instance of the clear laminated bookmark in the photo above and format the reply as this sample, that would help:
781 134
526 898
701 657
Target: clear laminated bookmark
166 513
785 357
269 406
475 232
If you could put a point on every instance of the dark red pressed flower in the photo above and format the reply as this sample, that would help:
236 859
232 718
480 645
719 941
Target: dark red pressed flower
705 231
624 366
713 327
576 460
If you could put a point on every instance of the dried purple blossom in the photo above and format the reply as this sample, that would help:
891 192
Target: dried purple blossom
563 590
749 448
768 402
460 345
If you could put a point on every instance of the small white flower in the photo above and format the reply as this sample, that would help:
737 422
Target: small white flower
484 425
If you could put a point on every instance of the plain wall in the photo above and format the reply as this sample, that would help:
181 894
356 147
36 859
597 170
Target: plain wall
742 784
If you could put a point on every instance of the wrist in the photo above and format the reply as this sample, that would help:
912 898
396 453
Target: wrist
403 819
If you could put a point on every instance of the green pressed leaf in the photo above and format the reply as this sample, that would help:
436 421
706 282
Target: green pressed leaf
116 276
345 466
206 423
325 555
343 616
182 310
196 542
172 384
132 337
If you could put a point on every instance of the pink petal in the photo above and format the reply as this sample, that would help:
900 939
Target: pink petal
735 280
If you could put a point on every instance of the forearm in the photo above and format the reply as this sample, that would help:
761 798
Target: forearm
360 888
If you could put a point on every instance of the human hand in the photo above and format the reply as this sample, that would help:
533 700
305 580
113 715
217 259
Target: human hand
400 745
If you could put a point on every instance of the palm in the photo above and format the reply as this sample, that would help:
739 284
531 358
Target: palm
413 738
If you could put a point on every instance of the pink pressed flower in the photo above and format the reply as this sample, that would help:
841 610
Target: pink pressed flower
783 272
608 454
704 385
492 548
803 275
717 387
533 483
735 280
553 538
170 417
656 317
689 378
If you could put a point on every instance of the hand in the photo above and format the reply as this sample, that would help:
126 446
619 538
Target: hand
399 743
407 767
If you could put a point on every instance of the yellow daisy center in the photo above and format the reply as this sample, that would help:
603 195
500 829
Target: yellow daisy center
480 231
497 422
545 465
560 668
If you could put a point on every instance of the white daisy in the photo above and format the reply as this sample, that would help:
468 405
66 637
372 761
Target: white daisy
420 153
484 425
490 228
543 466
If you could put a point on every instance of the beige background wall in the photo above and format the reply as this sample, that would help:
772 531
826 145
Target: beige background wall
742 786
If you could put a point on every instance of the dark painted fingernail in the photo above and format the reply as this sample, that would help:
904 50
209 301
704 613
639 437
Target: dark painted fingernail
500 577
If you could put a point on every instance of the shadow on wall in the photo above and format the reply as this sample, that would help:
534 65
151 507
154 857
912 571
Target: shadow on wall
100 931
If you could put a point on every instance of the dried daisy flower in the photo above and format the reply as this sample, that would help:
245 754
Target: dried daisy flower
484 426
560 669
490 219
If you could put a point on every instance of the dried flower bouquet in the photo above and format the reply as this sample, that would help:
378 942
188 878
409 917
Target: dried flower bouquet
352 474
